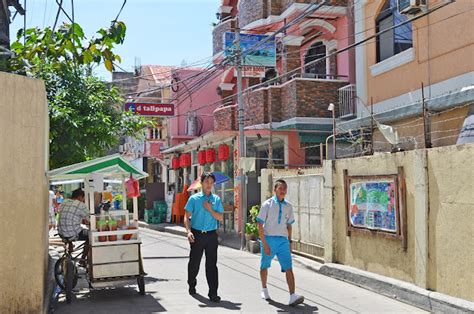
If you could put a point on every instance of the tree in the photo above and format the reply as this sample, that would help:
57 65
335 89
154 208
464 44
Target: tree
85 117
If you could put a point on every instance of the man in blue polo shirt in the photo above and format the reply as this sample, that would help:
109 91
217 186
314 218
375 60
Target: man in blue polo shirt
205 210
274 228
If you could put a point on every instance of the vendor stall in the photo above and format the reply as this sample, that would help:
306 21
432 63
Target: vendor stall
114 258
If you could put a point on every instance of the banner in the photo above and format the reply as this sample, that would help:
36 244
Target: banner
151 110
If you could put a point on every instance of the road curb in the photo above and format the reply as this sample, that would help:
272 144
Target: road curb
399 290
173 229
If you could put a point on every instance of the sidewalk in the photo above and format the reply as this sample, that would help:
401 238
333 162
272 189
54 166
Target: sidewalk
393 288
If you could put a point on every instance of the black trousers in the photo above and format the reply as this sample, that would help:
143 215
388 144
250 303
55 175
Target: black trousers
204 242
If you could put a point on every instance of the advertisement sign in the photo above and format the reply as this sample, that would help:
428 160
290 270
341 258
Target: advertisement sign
252 71
151 110
257 50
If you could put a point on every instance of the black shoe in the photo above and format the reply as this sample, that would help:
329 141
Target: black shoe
215 298
192 291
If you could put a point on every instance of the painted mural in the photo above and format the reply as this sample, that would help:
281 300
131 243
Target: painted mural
373 205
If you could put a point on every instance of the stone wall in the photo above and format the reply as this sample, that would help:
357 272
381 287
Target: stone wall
225 118
218 35
309 98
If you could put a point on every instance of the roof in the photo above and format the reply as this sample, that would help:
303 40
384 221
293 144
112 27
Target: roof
113 166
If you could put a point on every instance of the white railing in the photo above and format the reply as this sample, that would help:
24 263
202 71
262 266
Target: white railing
347 101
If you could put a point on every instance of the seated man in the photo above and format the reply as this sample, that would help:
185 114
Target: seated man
72 213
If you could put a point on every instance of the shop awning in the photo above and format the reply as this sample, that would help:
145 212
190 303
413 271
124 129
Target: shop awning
113 166
312 138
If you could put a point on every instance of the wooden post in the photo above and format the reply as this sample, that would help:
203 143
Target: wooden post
371 126
426 133
321 154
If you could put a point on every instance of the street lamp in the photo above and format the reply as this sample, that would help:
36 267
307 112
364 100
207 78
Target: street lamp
333 109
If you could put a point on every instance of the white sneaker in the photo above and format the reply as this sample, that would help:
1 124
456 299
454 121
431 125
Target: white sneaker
264 294
295 299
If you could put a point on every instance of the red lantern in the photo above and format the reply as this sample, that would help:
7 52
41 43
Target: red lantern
175 163
202 157
185 160
223 152
210 155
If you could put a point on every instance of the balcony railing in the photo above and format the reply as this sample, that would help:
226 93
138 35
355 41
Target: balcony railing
347 101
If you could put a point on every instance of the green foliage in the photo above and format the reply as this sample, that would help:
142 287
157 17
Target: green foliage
86 118
64 46
251 227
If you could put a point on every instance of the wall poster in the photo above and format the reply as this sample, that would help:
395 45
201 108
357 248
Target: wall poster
375 204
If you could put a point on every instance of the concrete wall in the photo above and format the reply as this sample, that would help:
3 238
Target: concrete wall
371 253
440 216
451 221
23 193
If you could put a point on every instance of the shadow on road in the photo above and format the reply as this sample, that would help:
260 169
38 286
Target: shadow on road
302 308
149 279
114 300
228 305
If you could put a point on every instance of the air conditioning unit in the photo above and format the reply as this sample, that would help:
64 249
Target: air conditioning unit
411 6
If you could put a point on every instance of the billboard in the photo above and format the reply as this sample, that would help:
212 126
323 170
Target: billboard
151 110
264 53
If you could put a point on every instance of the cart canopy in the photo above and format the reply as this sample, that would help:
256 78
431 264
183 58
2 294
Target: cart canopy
113 166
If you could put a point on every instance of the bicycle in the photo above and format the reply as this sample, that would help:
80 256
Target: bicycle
65 269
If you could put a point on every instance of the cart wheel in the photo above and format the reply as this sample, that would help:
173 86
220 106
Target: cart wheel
69 279
59 274
141 284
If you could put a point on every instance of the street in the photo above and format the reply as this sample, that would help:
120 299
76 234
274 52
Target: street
165 260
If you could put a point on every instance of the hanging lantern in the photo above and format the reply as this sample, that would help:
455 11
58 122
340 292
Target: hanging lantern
175 163
210 155
202 157
185 160
223 152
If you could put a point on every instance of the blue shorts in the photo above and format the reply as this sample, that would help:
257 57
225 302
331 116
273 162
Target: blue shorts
279 246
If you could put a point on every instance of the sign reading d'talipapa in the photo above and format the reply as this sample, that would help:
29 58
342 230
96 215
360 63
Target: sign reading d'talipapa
151 110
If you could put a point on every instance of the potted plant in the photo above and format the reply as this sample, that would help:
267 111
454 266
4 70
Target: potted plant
251 230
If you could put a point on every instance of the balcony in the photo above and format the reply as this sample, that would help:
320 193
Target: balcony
225 118
254 10
298 97
347 101
218 34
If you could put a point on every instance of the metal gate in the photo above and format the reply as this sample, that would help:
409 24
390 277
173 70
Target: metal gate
305 193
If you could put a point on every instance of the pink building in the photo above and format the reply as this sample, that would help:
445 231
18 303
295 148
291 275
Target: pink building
194 104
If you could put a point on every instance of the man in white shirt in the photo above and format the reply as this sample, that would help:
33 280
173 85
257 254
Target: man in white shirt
274 228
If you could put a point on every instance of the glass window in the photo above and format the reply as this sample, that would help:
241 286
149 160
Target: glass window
396 40
316 51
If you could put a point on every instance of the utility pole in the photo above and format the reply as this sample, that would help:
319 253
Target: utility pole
243 207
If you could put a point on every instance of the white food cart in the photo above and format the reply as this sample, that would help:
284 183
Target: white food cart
114 257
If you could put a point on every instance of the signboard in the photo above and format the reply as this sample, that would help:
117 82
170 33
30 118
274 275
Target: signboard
252 71
151 110
375 205
263 49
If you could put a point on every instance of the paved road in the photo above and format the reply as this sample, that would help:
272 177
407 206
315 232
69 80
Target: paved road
165 260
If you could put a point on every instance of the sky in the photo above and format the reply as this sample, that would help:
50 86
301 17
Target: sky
163 32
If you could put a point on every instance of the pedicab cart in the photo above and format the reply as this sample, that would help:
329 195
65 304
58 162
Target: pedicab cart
115 256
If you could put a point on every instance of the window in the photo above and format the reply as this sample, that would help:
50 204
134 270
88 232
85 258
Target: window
316 51
396 40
